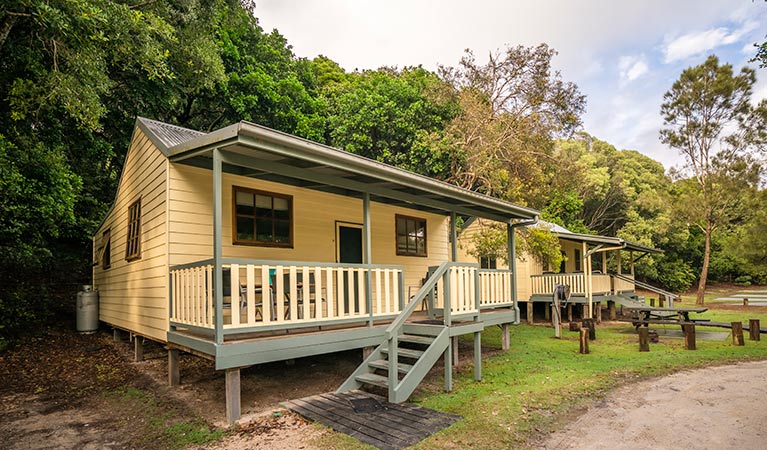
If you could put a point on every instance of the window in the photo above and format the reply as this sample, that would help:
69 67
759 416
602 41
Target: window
411 236
578 260
105 251
488 262
133 244
262 218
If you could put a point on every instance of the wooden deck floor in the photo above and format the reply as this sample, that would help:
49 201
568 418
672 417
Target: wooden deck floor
371 419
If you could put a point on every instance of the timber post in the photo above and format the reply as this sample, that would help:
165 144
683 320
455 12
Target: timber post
754 332
644 339
366 352
555 320
588 325
530 312
611 309
174 376
477 356
138 349
569 312
547 314
737 334
505 337
598 312
233 407
689 337
584 350
454 345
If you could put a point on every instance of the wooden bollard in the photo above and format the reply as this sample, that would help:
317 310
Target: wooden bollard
592 329
652 302
754 332
584 341
745 302
575 326
737 334
644 339
689 336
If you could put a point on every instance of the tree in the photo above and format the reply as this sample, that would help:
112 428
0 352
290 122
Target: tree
699 112
511 110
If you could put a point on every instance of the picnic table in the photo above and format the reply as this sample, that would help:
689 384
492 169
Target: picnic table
645 315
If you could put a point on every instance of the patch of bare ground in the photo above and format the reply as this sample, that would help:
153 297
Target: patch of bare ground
709 408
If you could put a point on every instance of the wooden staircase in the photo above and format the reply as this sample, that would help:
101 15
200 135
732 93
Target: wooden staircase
416 351
410 349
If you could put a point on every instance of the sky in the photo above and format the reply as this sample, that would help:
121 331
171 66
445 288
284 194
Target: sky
624 55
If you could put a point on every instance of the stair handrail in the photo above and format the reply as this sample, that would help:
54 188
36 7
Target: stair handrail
393 330
644 285
425 289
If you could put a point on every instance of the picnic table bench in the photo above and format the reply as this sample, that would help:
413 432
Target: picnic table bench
675 316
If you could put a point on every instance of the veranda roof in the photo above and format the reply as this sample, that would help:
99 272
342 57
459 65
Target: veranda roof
259 152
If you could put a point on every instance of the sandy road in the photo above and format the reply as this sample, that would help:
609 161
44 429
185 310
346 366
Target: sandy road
712 408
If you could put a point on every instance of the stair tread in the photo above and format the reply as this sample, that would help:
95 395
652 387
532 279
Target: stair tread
374 379
406 352
384 364
426 340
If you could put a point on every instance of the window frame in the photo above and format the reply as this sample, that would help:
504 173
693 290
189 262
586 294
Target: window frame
488 262
577 260
255 242
425 254
133 232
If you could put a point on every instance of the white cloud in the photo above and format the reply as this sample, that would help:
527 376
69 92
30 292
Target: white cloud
632 67
696 43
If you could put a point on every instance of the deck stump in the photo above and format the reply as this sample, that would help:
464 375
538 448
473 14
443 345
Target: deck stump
233 411
598 311
591 329
611 310
174 378
454 346
644 339
569 312
546 313
138 349
505 337
530 312
754 332
584 341
366 352
689 336
737 334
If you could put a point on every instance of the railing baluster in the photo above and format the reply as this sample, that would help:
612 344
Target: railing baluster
306 293
234 293
293 289
317 293
250 293
331 298
279 293
266 294
361 297
377 280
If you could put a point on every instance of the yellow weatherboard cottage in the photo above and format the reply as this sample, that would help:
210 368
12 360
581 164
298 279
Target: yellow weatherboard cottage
247 245
585 269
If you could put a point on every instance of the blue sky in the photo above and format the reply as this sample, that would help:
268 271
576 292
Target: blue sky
622 55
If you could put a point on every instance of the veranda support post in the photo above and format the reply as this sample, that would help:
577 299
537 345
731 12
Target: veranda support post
217 252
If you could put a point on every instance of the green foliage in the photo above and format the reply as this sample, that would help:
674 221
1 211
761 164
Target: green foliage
491 241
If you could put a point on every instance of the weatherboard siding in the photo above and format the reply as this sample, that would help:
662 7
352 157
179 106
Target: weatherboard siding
134 294
314 224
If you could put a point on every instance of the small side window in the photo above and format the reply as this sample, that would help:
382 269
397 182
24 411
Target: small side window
105 255
133 244
578 260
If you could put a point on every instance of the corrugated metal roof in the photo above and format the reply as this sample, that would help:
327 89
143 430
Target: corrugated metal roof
170 135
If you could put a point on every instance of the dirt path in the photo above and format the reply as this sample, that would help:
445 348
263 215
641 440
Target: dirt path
711 408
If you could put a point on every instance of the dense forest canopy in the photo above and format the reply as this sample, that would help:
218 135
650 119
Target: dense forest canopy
74 74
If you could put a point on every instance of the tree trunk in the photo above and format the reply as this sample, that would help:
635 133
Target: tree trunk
704 270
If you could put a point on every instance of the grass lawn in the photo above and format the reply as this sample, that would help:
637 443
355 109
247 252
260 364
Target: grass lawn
530 389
